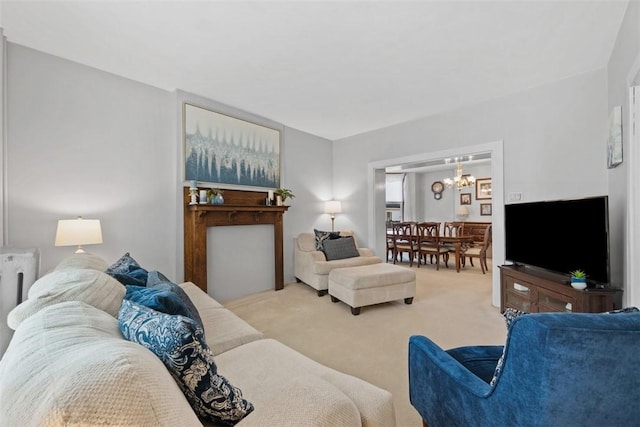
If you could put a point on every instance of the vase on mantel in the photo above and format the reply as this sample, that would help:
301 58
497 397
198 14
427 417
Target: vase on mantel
217 199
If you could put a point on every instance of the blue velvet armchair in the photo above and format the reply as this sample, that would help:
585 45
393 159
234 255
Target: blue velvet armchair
558 369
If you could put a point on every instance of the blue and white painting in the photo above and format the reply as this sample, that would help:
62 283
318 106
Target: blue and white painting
225 150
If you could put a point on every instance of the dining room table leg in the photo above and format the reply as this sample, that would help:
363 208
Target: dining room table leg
457 245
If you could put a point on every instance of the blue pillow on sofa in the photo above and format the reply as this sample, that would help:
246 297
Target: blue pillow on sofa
158 281
179 342
160 300
127 271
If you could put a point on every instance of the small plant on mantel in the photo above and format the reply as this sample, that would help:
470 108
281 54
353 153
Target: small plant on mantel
284 193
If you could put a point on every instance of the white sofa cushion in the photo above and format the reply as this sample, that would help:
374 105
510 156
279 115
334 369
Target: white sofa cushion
267 364
83 260
68 364
223 330
90 286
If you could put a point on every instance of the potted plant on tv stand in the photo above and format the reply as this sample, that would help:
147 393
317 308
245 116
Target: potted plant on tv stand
578 279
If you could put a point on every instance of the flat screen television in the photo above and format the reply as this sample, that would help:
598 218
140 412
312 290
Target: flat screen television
560 236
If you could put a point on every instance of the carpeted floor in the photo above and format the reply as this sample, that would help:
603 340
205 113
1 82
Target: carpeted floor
453 309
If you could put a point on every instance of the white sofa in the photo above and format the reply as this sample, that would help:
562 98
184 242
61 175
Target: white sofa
311 265
69 364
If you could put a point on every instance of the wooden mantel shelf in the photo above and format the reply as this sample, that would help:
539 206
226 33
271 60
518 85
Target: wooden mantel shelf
244 208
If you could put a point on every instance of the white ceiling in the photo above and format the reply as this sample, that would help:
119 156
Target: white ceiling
329 68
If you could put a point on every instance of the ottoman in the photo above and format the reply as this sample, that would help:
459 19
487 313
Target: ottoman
371 284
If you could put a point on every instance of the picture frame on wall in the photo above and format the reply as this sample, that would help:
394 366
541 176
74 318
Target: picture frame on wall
465 198
222 149
485 209
483 189
614 143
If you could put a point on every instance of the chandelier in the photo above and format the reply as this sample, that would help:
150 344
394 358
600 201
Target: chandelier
461 181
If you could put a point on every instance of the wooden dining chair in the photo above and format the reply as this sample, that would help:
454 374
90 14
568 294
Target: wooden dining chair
480 252
404 240
429 244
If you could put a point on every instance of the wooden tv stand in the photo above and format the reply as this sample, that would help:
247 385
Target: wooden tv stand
532 290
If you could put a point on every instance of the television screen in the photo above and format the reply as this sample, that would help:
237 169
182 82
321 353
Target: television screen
560 236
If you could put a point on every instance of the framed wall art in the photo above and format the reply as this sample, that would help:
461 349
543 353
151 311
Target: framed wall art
483 189
225 150
465 198
614 143
485 209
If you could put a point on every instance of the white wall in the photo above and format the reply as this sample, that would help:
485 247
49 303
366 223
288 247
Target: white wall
621 73
545 132
85 142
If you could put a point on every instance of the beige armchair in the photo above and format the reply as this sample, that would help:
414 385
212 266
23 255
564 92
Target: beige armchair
311 265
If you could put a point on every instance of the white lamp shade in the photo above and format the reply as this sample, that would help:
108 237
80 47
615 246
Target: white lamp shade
332 207
72 232
462 211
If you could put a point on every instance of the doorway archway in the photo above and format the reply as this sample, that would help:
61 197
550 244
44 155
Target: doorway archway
376 198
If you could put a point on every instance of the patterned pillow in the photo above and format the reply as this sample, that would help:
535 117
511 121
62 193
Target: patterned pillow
127 271
179 342
344 247
321 236
158 281
510 314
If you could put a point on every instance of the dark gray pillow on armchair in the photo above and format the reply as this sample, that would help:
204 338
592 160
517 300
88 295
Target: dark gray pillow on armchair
344 247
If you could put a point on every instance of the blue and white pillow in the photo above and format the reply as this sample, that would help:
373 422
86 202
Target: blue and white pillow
321 236
510 314
127 271
179 342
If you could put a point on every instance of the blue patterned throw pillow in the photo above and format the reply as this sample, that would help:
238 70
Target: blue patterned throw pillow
127 271
510 314
179 342
164 301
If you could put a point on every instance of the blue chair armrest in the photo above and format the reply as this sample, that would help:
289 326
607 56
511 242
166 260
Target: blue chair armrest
424 354
480 360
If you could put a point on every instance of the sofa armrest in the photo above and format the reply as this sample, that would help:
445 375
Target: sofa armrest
480 360
365 252
317 256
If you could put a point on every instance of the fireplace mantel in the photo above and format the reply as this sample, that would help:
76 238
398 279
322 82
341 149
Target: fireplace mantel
240 208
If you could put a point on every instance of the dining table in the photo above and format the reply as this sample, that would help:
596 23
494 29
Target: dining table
456 241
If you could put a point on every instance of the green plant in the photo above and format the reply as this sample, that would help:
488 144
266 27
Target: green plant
214 192
578 274
284 193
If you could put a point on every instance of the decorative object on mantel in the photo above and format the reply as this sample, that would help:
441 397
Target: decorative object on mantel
193 192
222 149
614 144
215 195
578 279
282 194
332 207
459 180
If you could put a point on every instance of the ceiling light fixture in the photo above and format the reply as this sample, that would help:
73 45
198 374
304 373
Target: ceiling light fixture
461 181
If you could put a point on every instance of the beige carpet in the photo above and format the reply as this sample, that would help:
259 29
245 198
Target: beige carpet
453 309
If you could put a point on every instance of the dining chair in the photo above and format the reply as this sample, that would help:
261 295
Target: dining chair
481 251
429 244
404 240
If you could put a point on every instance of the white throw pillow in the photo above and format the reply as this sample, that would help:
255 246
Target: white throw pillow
90 286
83 260
69 365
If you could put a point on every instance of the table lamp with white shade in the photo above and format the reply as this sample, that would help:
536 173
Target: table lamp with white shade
332 207
78 232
